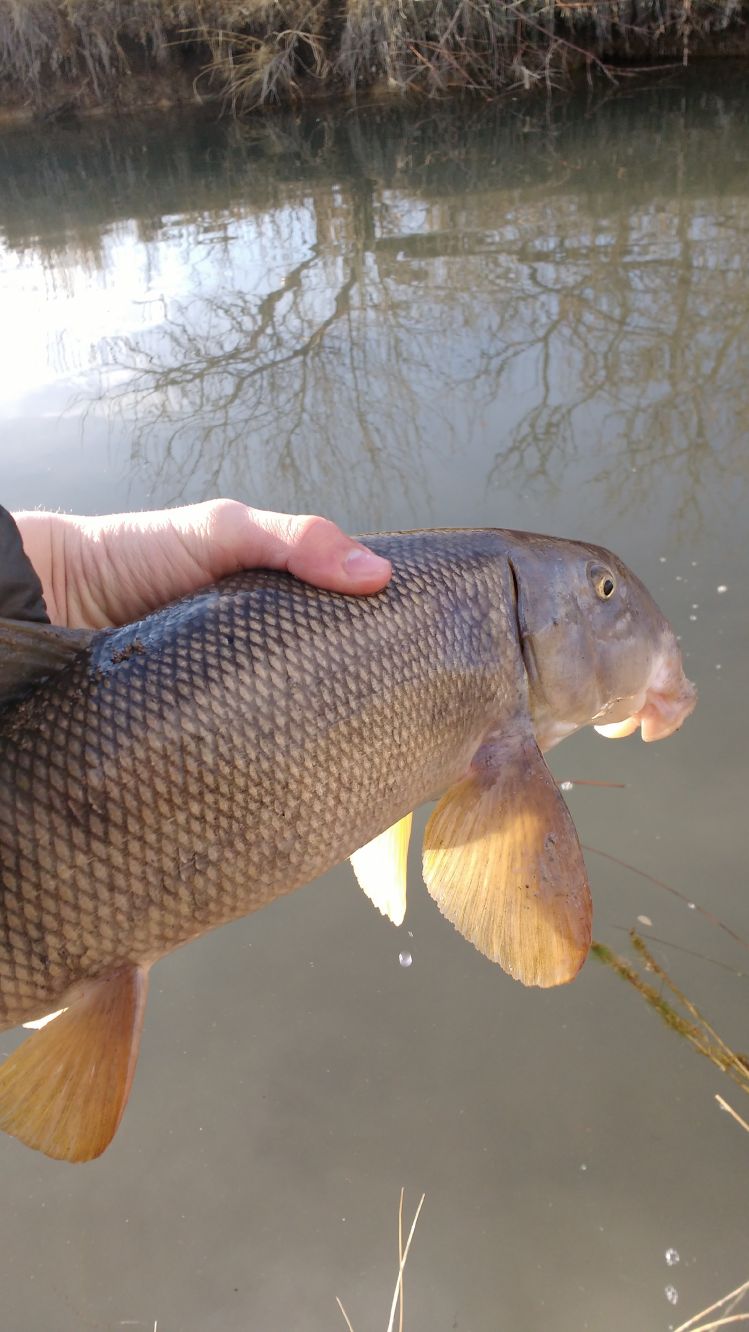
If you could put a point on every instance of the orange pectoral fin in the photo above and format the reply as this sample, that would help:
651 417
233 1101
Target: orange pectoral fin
503 862
64 1089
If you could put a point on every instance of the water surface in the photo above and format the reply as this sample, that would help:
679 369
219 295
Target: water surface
410 318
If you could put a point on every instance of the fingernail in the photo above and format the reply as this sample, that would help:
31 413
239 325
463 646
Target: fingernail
361 563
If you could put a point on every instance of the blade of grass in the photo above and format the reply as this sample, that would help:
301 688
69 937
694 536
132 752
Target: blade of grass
730 1111
404 1256
400 1262
722 1322
345 1315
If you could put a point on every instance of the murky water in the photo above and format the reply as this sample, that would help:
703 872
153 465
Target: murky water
409 319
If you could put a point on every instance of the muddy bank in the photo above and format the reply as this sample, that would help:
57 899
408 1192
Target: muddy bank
59 59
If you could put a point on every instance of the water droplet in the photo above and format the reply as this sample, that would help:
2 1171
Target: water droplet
721 588
672 1257
566 785
405 959
672 1294
645 920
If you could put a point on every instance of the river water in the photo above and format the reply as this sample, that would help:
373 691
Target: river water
518 315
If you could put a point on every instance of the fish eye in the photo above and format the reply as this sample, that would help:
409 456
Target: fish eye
604 582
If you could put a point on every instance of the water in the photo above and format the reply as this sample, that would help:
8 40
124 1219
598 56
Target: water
406 318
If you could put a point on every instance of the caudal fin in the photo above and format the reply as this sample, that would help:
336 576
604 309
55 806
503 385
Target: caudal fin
64 1089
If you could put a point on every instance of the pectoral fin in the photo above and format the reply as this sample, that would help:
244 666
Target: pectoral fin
504 865
64 1089
380 868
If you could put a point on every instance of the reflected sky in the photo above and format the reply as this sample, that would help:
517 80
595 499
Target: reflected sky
404 317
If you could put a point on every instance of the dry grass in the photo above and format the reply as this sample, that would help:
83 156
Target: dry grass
675 1009
397 1304
684 1017
724 1308
251 53
251 70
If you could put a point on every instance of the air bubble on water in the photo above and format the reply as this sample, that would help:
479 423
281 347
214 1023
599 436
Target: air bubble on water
672 1294
721 588
410 934
583 1166
672 1257
679 578
693 617
718 666
695 605
692 906
405 959
566 785
694 564
661 559
645 920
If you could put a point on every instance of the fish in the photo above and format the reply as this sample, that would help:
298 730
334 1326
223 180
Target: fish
169 776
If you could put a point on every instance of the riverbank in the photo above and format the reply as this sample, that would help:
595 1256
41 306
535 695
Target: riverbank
59 59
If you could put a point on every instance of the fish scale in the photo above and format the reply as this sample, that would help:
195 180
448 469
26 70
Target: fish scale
155 774
167 777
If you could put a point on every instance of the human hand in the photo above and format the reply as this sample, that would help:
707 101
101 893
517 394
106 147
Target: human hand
111 570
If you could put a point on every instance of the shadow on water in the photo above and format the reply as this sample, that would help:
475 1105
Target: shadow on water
415 273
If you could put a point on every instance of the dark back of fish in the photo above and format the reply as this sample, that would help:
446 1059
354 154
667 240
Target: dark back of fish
187 769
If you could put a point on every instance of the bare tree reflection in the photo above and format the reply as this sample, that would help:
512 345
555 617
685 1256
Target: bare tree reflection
337 369
363 295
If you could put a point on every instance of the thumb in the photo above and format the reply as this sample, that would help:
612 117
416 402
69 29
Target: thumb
312 548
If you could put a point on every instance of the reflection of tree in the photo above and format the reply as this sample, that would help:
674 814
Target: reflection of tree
293 380
626 320
537 286
645 317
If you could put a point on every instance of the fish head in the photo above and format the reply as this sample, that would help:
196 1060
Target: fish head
597 650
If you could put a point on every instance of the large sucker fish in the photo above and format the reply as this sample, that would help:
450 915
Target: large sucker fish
164 778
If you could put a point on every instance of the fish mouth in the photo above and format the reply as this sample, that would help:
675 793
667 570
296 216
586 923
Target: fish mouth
665 707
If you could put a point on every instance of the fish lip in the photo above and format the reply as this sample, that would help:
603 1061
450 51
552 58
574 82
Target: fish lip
661 714
665 712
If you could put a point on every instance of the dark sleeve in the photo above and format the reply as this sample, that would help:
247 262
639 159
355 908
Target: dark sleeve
20 590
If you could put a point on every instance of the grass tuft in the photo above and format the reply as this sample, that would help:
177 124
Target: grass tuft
677 1011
